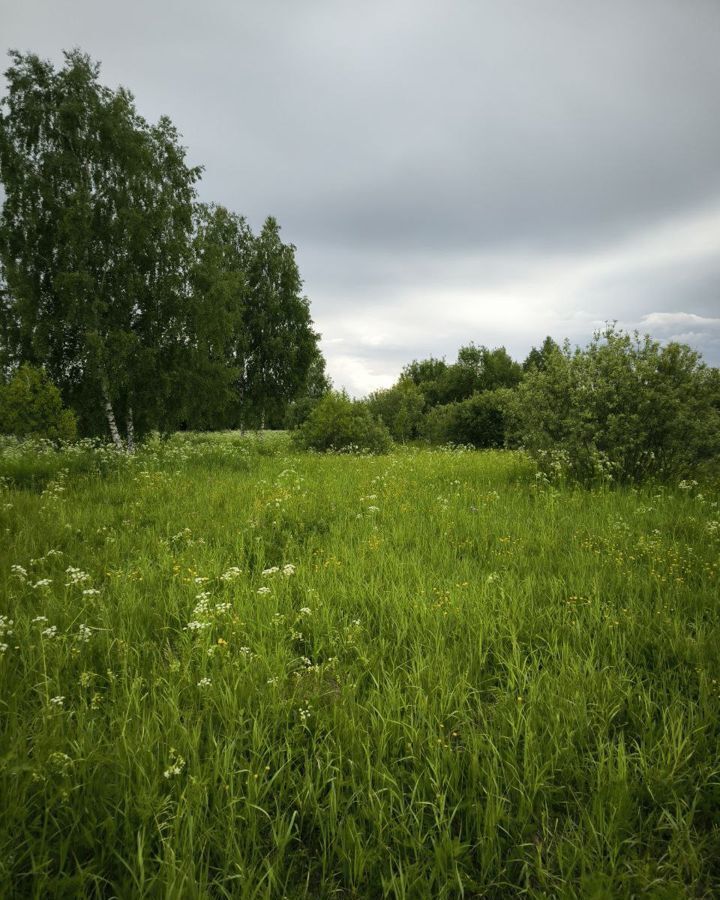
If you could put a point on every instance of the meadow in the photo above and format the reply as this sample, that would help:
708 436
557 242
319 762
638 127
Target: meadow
233 670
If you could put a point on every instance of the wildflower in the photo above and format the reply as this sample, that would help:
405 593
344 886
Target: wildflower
204 682
232 573
200 579
84 634
49 632
177 764
90 592
42 583
271 571
60 762
305 611
288 569
39 620
263 590
76 576
57 702
246 651
19 572
196 626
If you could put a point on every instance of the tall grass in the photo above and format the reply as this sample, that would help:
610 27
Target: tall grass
459 682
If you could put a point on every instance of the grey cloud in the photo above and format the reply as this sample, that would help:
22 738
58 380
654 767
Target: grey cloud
420 146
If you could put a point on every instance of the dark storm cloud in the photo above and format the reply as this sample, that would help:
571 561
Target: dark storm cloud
435 149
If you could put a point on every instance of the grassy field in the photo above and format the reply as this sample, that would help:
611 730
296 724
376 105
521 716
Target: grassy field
232 671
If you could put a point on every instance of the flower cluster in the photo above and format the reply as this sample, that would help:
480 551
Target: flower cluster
177 764
231 574
6 629
76 576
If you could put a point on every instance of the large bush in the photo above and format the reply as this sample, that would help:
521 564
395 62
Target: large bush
339 423
400 408
479 421
625 408
31 406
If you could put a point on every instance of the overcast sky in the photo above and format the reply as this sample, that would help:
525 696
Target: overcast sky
486 170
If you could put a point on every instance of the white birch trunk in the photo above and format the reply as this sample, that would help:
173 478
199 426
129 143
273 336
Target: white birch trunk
130 431
114 433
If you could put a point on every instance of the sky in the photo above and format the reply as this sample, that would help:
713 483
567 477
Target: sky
452 171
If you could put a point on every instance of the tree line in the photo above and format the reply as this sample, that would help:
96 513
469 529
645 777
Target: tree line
146 308
624 408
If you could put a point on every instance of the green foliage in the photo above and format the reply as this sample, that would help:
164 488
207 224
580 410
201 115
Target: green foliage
93 238
477 369
208 383
341 424
537 359
622 409
31 406
400 408
147 309
281 345
479 421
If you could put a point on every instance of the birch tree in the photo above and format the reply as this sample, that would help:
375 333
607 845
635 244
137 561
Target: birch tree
281 345
94 241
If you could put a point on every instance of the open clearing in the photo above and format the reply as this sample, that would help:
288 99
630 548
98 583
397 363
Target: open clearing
454 680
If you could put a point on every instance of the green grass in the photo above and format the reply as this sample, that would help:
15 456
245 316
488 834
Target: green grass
474 684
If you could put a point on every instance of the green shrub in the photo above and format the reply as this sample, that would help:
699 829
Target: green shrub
298 412
400 408
341 424
622 409
31 406
479 421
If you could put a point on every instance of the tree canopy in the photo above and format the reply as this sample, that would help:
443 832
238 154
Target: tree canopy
146 308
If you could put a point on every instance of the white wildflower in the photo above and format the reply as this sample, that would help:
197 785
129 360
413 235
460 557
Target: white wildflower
19 572
263 590
43 583
288 569
305 611
76 576
57 702
84 633
39 620
49 632
196 626
271 571
232 573
177 764
91 592
204 682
